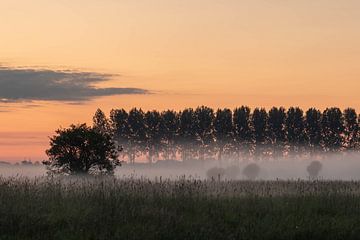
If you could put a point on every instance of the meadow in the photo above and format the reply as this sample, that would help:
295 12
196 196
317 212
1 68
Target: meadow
185 208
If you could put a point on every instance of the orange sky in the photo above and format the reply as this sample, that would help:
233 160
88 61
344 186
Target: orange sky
185 52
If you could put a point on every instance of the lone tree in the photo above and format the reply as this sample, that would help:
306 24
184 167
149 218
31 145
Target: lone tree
251 171
313 169
81 150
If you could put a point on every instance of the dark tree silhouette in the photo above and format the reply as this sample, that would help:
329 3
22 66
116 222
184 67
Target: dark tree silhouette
259 122
170 125
204 118
276 131
137 135
251 171
121 130
313 169
295 130
313 130
81 150
101 123
223 131
332 129
243 135
351 130
187 134
153 139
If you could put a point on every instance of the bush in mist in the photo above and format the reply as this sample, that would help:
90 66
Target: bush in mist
81 150
251 171
232 172
215 173
26 163
313 169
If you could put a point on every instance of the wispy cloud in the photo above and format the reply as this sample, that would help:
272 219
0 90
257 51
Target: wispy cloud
26 85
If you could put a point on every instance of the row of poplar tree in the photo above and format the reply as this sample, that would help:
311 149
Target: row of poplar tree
203 133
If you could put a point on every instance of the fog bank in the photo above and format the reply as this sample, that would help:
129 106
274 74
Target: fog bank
334 167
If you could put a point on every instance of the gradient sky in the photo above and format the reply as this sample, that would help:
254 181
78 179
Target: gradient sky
177 53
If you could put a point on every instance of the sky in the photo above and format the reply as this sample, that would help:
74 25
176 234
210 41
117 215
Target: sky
60 60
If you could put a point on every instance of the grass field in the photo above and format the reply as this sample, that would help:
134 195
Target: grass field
109 208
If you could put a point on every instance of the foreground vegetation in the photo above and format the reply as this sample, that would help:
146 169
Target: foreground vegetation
110 208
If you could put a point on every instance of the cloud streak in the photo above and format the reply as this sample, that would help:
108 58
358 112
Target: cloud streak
18 84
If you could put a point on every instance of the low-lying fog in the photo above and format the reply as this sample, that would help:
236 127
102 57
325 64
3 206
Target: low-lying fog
334 167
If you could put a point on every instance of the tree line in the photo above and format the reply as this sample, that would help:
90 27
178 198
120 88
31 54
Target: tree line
239 134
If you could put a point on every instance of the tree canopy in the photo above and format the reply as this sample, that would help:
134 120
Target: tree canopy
80 149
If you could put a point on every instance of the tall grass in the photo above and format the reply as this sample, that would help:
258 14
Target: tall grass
110 208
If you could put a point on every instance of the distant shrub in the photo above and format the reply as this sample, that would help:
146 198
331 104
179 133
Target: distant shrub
251 171
26 163
215 173
232 172
314 168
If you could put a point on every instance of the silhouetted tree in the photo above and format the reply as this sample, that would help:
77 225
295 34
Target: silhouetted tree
313 169
170 126
121 130
243 135
204 118
295 130
259 123
81 150
101 123
187 133
313 130
153 122
332 129
351 130
276 131
251 171
223 131
137 136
